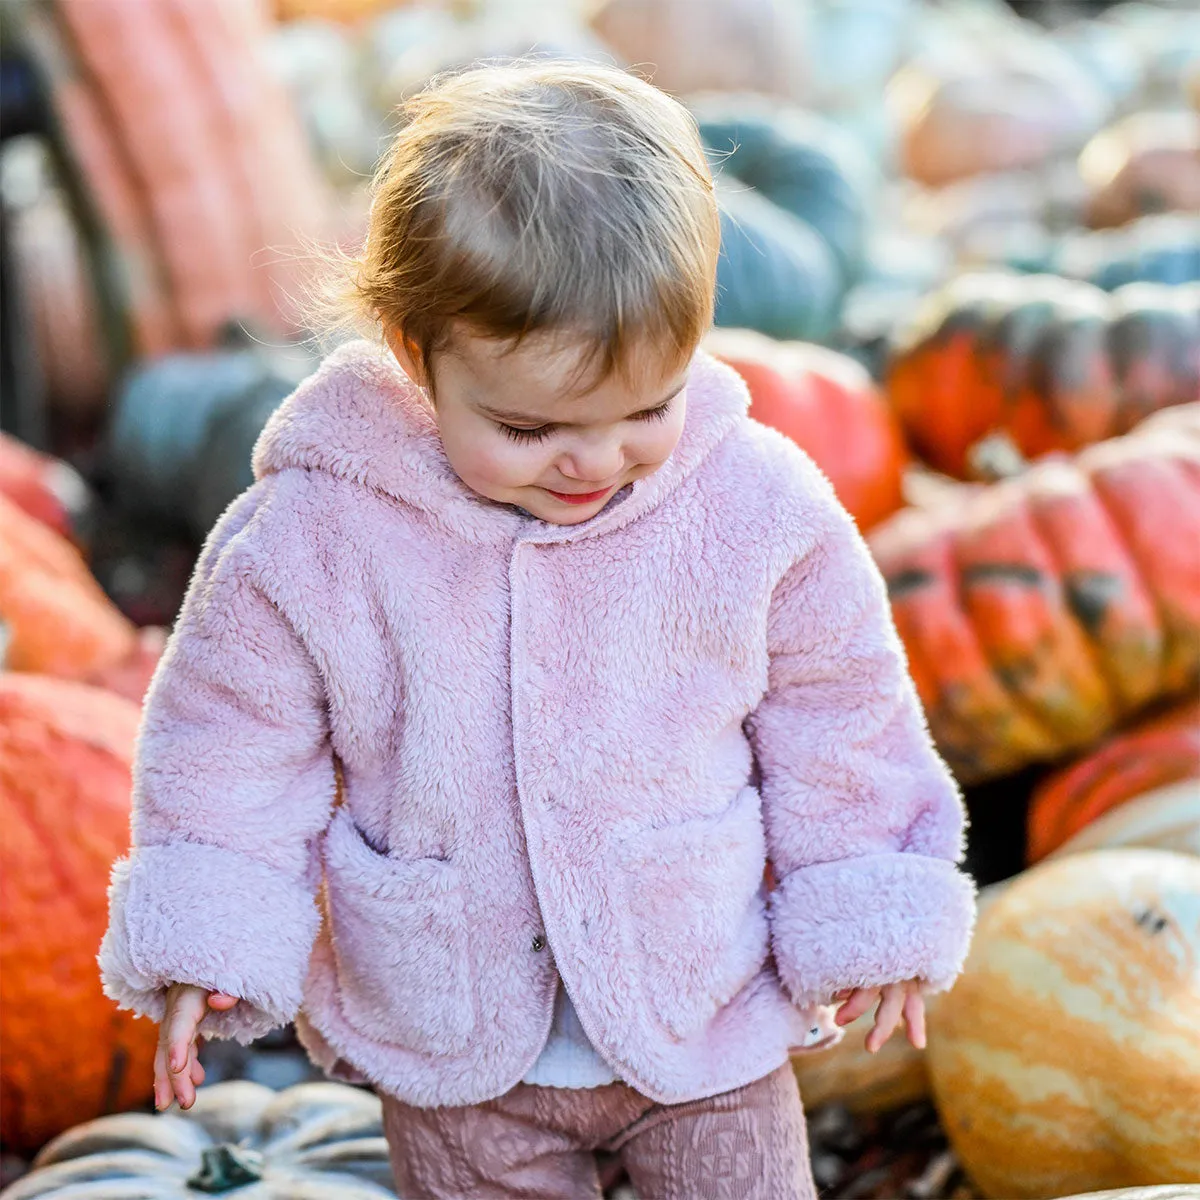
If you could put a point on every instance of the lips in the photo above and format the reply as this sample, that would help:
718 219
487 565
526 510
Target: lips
580 497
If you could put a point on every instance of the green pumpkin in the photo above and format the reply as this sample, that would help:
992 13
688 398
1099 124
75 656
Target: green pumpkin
315 1141
800 162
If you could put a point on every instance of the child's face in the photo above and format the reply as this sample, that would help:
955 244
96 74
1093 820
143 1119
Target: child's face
513 432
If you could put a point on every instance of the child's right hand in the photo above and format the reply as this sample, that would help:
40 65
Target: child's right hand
177 1069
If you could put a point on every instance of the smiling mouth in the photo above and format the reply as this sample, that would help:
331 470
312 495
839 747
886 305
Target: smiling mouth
579 497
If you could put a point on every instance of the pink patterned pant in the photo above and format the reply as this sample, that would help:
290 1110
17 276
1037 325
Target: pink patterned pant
538 1143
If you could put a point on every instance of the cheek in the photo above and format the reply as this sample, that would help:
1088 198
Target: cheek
497 462
653 443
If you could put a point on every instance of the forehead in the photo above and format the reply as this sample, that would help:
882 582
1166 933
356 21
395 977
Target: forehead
545 376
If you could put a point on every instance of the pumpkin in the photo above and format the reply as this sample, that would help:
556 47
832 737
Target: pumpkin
1164 1191
1163 248
774 273
795 159
186 159
50 261
1053 363
1072 1031
65 754
1041 612
314 1141
58 620
827 404
847 1074
718 45
996 102
46 488
1160 751
1164 818
1148 162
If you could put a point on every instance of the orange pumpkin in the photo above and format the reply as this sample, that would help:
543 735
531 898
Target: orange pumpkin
69 1054
1160 751
47 489
827 404
56 620
1072 1034
1054 363
1041 612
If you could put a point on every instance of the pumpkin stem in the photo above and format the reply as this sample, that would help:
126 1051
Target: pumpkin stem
995 457
225 1167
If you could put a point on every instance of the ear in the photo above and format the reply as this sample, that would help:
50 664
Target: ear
406 353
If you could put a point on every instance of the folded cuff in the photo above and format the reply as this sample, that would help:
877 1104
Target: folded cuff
186 913
868 921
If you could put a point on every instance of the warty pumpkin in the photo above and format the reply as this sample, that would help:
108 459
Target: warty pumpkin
1072 1031
827 404
1053 363
65 755
1155 753
1043 611
314 1141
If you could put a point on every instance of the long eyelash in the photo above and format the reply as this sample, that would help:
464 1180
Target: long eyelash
543 431
656 414
527 435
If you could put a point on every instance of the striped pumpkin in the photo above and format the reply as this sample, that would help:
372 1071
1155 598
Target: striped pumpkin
1156 753
1043 611
1072 1032
1055 364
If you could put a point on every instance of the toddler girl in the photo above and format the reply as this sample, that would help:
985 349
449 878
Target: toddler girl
492 699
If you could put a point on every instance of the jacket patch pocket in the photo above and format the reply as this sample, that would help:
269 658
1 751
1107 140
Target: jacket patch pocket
399 937
696 904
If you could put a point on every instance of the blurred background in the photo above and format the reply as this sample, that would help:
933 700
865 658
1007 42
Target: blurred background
960 267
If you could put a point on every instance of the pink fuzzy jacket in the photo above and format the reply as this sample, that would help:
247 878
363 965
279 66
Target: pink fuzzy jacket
567 748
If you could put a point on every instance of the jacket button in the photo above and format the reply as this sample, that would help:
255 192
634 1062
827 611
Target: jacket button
539 942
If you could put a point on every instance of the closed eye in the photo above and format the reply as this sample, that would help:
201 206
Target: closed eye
539 433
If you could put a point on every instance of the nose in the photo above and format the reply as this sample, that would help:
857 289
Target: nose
595 460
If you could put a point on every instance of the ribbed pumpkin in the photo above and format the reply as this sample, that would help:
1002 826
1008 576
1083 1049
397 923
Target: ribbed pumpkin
827 404
1164 818
1157 752
1164 248
1072 1033
69 1054
807 166
188 158
1053 363
314 1141
1041 612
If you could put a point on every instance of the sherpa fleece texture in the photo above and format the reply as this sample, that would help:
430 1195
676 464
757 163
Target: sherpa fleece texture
599 733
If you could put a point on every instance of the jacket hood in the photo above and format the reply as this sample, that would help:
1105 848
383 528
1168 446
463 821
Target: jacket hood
360 418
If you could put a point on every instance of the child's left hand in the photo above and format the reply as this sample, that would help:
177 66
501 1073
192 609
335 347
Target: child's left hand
895 1000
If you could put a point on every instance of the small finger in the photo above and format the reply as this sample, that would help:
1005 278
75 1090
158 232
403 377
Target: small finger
162 1084
860 1000
914 1018
197 1071
181 1029
221 1001
886 1018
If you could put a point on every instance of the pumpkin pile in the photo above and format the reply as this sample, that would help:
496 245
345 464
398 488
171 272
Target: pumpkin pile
960 268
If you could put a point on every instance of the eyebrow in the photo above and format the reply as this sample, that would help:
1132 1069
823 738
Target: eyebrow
504 414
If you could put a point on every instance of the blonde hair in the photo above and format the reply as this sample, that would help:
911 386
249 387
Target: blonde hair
539 196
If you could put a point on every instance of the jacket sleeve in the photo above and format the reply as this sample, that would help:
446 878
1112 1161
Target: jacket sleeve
233 782
864 822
